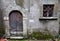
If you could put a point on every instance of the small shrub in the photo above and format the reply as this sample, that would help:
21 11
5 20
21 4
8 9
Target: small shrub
47 36
37 35
40 36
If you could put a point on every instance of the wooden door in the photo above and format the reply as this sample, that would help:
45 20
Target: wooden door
16 23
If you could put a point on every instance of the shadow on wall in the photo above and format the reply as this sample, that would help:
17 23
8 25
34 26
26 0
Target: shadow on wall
2 28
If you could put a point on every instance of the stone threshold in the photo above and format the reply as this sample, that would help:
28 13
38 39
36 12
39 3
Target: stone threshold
19 37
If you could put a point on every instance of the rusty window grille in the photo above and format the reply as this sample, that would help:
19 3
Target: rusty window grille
48 10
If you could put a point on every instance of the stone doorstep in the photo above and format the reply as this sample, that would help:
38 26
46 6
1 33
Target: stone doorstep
17 37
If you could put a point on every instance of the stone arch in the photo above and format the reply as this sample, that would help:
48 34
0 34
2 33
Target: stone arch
15 11
15 22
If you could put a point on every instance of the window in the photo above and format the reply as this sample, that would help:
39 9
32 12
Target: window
48 10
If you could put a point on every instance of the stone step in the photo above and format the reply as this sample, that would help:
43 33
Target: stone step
17 32
19 37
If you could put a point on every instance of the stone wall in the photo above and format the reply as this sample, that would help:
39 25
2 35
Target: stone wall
36 12
32 11
9 5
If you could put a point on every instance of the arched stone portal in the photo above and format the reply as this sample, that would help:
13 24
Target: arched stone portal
16 23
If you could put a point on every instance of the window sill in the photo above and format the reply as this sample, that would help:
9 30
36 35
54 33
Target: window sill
48 18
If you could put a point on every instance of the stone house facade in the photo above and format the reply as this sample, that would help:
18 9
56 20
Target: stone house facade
33 15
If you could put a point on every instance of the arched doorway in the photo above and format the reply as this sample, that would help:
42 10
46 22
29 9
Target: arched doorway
16 23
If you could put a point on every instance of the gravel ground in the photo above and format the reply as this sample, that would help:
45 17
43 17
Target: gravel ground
34 40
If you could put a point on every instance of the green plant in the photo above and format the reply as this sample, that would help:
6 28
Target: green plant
37 35
47 36
40 36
